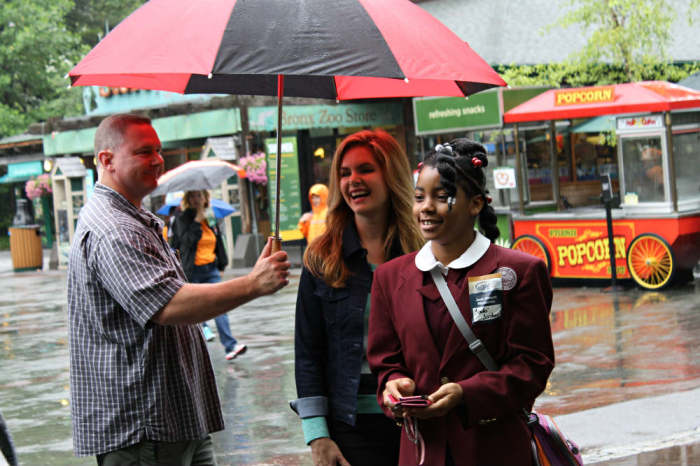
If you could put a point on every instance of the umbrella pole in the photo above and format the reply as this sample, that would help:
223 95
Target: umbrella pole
276 239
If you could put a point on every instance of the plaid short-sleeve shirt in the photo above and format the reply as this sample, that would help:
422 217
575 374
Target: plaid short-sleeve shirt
131 379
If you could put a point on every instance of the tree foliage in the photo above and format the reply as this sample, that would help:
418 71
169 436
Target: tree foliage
40 41
91 19
570 74
36 50
627 41
627 33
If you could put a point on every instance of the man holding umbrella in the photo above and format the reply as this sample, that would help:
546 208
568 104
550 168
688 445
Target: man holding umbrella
142 385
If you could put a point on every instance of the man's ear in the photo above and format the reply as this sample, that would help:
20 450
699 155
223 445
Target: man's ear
105 158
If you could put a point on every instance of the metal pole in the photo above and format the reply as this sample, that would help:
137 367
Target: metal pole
519 170
501 155
671 162
277 243
611 244
554 163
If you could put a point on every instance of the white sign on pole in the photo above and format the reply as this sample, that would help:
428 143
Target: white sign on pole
504 177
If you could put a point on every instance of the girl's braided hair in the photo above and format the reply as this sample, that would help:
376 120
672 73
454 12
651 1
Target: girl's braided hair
460 163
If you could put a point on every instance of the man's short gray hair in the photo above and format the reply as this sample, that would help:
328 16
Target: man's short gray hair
110 132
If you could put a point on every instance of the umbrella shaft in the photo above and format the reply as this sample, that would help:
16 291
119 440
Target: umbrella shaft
278 161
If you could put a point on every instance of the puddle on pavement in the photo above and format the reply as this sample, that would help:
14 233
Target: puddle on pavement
612 347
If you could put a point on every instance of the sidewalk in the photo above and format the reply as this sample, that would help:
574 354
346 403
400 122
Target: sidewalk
642 431
654 430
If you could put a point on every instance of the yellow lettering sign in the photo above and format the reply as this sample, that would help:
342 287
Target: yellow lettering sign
563 232
589 252
591 95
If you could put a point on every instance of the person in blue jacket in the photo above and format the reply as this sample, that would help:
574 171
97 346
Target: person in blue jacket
369 222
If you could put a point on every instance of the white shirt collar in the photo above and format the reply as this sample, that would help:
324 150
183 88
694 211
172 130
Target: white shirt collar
426 261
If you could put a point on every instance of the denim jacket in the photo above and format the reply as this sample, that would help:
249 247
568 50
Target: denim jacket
328 337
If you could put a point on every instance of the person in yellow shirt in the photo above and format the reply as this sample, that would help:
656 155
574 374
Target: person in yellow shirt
203 257
313 224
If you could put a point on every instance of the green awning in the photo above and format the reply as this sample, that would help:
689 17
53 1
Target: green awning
599 124
173 128
543 137
22 171
13 179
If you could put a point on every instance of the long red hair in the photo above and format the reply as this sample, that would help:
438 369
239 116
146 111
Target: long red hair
324 256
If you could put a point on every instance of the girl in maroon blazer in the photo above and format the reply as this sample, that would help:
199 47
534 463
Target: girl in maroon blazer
476 415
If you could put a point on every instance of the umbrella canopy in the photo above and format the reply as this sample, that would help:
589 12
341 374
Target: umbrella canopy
196 174
585 102
221 209
343 49
241 46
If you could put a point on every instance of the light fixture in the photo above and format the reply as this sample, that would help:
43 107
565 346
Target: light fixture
320 152
48 165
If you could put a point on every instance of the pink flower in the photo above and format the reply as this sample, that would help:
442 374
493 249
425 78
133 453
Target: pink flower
37 187
255 167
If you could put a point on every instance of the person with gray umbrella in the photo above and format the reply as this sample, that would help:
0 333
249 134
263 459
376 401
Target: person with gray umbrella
203 255
142 385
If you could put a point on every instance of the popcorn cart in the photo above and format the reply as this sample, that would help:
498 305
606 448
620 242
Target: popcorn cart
656 228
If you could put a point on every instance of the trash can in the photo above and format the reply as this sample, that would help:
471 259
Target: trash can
25 240
25 248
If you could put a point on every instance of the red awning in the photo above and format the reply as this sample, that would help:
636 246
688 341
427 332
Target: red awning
586 102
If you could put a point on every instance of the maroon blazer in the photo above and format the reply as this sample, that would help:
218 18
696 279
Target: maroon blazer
489 429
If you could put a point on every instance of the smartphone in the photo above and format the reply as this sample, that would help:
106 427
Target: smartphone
417 401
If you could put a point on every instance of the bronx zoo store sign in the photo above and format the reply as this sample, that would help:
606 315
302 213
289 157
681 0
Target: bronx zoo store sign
326 116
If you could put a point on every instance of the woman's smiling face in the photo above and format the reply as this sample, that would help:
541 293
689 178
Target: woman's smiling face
436 220
362 182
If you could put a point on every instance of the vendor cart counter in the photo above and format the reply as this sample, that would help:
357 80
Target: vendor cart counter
651 247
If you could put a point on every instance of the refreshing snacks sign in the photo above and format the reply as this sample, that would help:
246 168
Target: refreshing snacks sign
445 114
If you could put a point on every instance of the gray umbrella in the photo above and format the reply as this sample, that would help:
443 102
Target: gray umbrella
194 175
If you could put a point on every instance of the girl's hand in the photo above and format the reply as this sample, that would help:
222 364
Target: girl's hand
444 400
325 452
199 218
396 389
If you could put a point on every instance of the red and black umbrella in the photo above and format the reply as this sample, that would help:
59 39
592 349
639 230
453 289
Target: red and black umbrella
337 49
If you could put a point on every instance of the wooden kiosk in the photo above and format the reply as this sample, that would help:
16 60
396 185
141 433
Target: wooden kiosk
68 179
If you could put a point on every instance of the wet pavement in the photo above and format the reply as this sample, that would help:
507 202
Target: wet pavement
626 386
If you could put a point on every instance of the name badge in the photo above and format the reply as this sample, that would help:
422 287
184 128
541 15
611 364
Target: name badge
486 297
